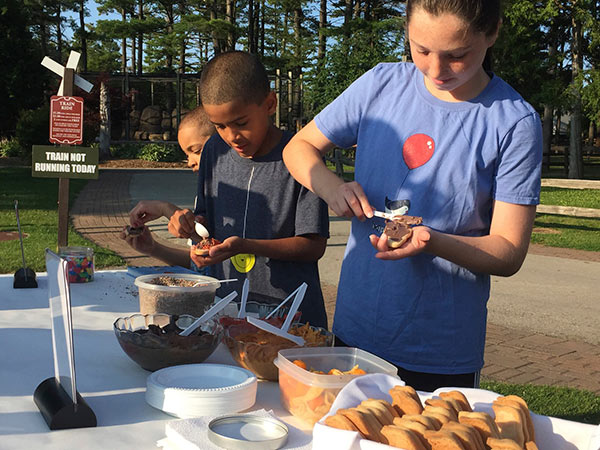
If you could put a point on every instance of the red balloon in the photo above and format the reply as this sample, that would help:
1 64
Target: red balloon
417 150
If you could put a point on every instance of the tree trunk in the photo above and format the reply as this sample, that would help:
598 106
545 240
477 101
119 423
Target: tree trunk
213 15
133 52
59 40
297 72
123 45
104 137
83 37
262 27
251 48
140 37
322 26
347 19
575 151
230 17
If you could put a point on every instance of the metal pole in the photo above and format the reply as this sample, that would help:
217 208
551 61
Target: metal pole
278 94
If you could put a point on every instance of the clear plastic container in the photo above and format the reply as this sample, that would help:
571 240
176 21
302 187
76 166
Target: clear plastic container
309 395
158 298
80 263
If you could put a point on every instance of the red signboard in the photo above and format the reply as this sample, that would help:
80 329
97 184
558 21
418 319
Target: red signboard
66 120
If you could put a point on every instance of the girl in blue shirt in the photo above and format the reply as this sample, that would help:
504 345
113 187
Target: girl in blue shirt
465 149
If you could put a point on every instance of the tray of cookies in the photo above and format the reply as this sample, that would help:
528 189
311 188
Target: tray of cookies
377 411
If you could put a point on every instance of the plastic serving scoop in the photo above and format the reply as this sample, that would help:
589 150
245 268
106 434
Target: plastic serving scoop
206 283
201 230
244 299
274 330
213 310
283 331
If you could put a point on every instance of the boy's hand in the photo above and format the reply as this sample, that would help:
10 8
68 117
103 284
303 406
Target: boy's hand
349 200
182 223
147 210
143 243
218 253
415 245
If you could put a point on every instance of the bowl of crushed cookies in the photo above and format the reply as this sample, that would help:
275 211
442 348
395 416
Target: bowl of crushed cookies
176 293
154 342
256 349
310 378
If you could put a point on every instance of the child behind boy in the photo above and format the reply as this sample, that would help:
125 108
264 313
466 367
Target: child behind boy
273 230
193 132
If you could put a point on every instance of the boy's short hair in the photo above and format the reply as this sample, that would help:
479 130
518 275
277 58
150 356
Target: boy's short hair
197 118
234 75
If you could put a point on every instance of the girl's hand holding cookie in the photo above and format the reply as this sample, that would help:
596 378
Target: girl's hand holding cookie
417 243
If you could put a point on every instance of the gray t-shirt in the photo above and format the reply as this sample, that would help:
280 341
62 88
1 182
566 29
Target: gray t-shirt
258 199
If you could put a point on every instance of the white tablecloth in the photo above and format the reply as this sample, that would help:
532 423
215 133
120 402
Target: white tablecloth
112 385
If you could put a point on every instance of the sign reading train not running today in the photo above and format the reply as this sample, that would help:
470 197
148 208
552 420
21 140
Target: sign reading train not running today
66 120
49 161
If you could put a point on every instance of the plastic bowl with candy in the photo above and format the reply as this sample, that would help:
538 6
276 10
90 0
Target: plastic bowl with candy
153 340
255 349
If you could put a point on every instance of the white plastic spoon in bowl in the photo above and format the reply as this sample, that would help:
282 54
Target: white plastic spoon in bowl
274 330
244 299
283 331
209 313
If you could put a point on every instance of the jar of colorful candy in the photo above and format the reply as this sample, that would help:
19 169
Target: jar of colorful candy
80 261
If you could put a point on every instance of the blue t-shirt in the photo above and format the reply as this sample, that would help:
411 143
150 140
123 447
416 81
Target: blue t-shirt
451 160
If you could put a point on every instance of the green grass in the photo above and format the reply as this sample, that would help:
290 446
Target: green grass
562 402
581 198
38 214
567 232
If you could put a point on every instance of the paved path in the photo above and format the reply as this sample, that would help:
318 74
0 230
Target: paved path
542 325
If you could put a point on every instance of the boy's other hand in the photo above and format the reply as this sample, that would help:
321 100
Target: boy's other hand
349 200
415 245
147 210
182 223
143 243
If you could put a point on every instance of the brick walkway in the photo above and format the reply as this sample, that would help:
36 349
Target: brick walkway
513 356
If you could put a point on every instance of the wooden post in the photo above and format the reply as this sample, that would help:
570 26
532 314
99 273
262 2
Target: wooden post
63 183
69 78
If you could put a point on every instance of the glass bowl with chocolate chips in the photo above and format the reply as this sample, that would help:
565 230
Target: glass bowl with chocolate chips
153 340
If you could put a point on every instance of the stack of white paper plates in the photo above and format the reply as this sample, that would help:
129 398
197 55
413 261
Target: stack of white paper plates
194 390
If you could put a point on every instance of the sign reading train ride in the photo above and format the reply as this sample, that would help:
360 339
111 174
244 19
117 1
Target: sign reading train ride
66 120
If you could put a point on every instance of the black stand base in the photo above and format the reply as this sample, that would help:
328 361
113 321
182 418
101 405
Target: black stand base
24 278
58 409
